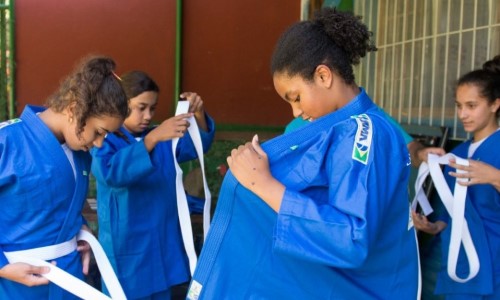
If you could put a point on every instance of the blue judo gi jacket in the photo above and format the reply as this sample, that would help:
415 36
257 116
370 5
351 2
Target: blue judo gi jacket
40 197
343 230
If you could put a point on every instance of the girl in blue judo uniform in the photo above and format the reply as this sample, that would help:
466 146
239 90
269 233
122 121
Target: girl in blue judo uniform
321 212
136 194
478 108
44 172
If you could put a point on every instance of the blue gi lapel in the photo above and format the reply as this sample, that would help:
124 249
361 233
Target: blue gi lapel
75 205
52 147
53 154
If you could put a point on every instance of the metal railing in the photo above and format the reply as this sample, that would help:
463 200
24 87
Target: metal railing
424 47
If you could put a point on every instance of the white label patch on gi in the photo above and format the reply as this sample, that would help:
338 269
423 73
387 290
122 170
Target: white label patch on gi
9 122
194 290
363 139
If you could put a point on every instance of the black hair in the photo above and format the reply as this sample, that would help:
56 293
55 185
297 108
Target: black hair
93 89
135 83
333 38
493 65
486 79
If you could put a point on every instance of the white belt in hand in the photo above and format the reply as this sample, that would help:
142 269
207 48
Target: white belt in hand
72 284
182 204
455 205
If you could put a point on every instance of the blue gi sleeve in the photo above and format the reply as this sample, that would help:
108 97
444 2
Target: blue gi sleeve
337 226
122 167
195 204
322 233
4 180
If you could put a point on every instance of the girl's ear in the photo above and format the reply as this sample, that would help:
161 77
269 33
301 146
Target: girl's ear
69 110
323 76
496 105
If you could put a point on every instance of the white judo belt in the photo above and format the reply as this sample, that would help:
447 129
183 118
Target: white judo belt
455 205
72 284
182 204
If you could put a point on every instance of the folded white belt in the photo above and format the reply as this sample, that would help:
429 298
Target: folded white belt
72 284
455 205
45 253
182 204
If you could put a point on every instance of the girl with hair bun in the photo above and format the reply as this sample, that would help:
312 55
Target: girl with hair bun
321 212
44 172
478 108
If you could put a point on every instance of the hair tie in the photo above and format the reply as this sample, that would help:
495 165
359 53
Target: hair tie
116 76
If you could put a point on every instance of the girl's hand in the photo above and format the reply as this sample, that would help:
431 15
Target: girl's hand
476 172
196 107
424 152
174 127
250 165
84 248
419 153
423 224
25 274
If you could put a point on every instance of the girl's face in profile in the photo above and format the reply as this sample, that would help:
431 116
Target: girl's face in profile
93 133
308 99
142 109
477 115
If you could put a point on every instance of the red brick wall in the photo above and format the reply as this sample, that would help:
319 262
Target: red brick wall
226 49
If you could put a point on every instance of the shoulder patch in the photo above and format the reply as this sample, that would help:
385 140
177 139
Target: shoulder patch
9 122
363 139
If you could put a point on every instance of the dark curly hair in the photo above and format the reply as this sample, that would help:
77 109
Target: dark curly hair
333 38
135 83
487 79
92 90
